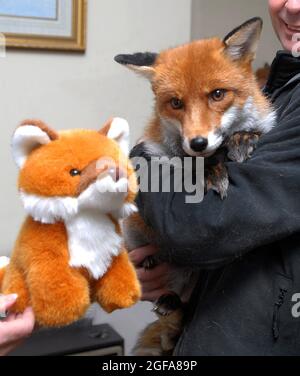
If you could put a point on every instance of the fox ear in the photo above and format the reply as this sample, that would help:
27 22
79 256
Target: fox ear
141 63
242 42
117 129
28 136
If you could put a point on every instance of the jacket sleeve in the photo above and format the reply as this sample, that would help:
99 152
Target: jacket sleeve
262 206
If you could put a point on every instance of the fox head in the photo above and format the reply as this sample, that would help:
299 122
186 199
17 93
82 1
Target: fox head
204 89
63 173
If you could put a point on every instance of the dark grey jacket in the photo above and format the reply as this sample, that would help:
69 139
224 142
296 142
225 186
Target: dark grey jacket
248 246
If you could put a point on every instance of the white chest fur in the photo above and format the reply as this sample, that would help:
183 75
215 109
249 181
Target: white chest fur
93 242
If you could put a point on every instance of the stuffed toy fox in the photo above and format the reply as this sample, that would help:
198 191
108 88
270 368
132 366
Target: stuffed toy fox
75 186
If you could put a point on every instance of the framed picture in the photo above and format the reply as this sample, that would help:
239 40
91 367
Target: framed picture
44 24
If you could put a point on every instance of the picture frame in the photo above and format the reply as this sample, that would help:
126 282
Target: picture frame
47 25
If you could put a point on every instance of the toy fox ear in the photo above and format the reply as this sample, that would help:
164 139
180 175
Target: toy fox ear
117 129
242 42
28 136
141 63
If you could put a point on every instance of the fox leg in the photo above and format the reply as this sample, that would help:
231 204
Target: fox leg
119 287
59 294
160 337
14 283
216 178
241 145
149 341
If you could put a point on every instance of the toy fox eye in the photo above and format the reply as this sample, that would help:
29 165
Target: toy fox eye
176 103
218 95
75 172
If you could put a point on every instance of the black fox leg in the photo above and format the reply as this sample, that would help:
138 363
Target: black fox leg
166 304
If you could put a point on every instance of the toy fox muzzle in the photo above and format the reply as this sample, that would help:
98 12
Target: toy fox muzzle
98 170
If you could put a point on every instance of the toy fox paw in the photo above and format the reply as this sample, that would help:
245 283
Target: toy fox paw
241 145
119 287
124 297
63 310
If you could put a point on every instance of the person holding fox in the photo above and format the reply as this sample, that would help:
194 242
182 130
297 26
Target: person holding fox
246 246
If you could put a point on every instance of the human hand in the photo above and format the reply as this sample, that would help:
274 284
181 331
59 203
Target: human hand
15 327
154 282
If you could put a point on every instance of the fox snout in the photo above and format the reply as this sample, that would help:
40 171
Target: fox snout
202 146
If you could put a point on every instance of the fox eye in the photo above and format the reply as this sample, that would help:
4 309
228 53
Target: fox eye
176 103
218 95
75 172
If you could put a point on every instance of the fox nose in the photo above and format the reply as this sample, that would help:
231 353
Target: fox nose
199 143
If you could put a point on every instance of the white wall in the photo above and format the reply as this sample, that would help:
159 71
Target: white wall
69 90
219 17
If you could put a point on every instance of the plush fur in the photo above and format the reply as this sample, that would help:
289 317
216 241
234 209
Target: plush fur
75 186
4 261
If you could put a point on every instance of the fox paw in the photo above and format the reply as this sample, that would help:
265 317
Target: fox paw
217 180
167 304
241 145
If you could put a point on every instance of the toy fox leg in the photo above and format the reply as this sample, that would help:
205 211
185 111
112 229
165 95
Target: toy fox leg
62 297
119 287
14 283
4 261
2 271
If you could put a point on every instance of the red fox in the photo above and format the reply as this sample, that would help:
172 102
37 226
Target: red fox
75 185
206 99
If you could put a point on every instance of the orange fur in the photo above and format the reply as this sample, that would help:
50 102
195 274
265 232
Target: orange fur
262 75
109 290
74 149
39 270
2 271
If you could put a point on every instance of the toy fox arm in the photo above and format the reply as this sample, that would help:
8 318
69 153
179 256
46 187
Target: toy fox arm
262 205
4 261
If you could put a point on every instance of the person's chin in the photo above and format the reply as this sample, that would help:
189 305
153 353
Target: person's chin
289 45
289 38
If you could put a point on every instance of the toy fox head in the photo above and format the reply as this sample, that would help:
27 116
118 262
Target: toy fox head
204 89
62 173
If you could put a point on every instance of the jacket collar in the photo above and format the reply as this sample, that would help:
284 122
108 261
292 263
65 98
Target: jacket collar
284 67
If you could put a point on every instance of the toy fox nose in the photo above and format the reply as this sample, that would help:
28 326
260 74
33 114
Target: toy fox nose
115 172
199 143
